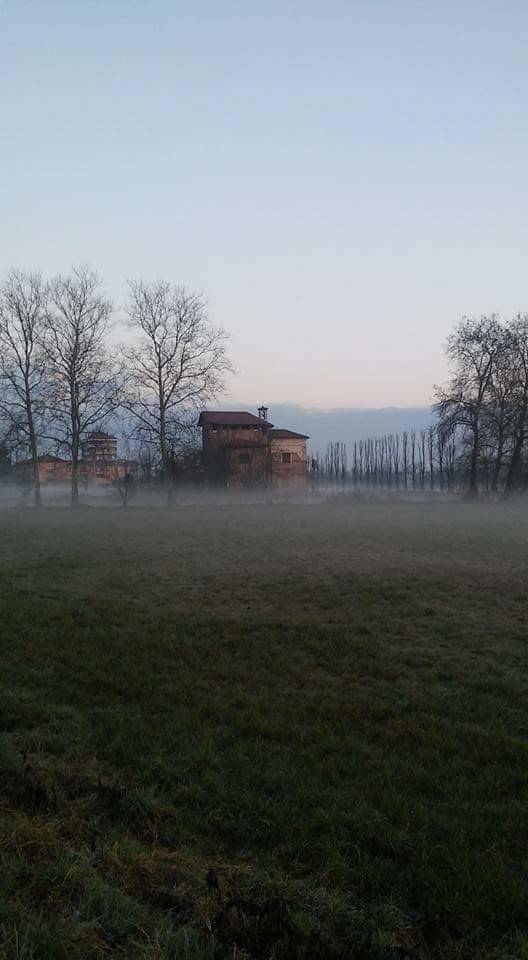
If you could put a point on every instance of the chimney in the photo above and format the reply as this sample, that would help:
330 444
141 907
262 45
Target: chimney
263 413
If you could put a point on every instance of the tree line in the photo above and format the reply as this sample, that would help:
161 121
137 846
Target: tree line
409 460
60 378
477 440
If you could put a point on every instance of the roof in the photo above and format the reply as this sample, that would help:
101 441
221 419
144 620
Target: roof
98 435
44 458
287 435
231 418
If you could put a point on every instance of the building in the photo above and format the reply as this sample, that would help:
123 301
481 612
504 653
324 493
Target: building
288 457
99 446
51 470
99 463
241 448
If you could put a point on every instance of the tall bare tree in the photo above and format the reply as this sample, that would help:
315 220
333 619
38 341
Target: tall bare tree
499 412
472 350
405 455
517 339
431 453
82 378
176 366
23 301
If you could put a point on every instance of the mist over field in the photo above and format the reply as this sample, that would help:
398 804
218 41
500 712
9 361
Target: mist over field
264 727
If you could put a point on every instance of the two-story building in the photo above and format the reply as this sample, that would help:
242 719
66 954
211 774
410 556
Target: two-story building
241 448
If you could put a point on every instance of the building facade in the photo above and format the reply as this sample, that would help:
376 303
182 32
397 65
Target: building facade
100 447
246 450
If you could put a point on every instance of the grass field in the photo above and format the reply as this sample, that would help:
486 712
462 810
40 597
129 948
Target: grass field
264 731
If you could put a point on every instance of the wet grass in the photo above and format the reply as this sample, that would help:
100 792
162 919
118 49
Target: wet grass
264 733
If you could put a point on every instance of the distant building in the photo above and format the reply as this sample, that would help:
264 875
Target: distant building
288 457
99 463
99 446
239 447
51 469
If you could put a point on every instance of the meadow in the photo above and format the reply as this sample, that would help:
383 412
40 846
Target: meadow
242 730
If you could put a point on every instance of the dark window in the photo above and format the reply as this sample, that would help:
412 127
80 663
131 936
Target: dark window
214 429
286 457
243 457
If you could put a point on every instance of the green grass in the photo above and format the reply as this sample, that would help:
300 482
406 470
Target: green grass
326 706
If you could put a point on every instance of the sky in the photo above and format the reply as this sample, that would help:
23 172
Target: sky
343 180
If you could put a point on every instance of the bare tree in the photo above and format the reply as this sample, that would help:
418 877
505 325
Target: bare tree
124 485
405 454
177 365
499 411
517 339
5 460
472 350
82 377
361 461
430 451
397 443
421 459
440 450
23 300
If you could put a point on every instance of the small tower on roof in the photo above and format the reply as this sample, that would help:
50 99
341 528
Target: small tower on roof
263 413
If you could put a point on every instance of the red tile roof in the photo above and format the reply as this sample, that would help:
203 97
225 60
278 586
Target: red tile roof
231 418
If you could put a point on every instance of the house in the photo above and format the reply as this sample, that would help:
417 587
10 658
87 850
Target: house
289 462
241 448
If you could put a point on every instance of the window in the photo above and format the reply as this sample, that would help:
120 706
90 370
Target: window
286 458
243 457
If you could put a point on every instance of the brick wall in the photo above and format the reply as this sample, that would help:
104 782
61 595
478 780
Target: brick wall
288 461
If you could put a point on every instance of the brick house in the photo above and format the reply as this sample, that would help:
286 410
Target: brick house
243 449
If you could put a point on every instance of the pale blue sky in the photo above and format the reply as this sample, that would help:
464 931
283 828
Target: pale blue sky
343 180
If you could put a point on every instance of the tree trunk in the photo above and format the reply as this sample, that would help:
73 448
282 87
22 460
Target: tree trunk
515 461
75 474
34 457
497 467
514 465
36 479
473 467
166 459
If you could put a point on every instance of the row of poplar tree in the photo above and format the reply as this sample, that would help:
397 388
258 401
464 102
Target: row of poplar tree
478 438
61 377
